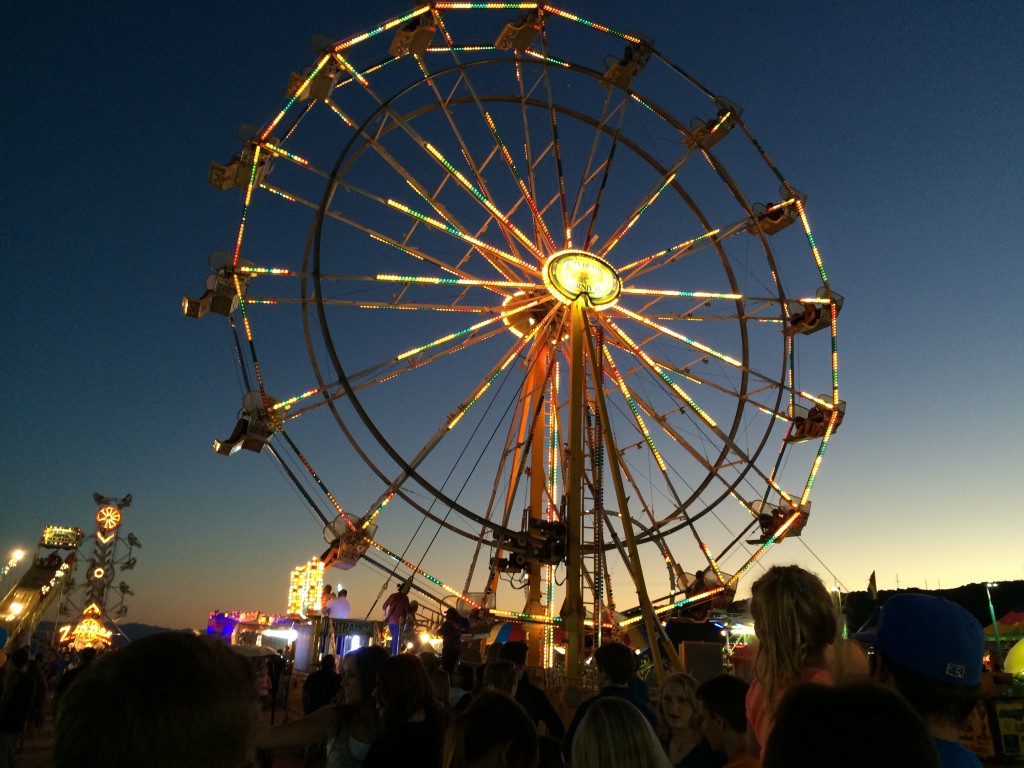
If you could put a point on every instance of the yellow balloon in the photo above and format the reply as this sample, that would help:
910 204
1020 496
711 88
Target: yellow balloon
1014 660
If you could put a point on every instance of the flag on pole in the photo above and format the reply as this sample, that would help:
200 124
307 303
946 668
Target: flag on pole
873 587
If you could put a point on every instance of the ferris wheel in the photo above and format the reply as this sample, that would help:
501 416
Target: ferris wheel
518 302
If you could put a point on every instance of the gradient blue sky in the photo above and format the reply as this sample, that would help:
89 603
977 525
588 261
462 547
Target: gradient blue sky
900 121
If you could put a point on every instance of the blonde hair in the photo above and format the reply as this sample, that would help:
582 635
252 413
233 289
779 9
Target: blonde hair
614 733
794 621
688 685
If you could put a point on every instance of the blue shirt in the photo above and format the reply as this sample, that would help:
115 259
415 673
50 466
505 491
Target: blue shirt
953 754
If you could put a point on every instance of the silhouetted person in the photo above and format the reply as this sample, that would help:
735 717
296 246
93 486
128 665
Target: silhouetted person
615 666
531 698
930 651
452 629
86 656
723 719
396 611
165 701
321 686
15 704
812 725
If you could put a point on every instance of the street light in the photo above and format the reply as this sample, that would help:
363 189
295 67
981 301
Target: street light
995 624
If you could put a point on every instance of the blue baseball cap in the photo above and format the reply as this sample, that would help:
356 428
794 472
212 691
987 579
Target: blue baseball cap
931 636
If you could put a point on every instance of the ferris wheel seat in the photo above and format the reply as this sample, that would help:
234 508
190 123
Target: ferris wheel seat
518 35
707 134
810 423
621 72
413 38
347 549
320 88
239 171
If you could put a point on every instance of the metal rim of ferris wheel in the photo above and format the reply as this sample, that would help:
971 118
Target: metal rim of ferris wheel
530 285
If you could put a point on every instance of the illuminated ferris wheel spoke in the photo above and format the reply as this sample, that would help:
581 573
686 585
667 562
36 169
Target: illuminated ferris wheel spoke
559 175
477 171
499 142
607 166
588 174
440 159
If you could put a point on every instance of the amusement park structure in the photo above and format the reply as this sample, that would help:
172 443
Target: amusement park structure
558 301
49 572
98 601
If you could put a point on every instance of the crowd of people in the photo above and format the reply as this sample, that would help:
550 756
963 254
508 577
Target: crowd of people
181 700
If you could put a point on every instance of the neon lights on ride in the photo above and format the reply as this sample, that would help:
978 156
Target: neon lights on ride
464 331
669 332
676 249
456 232
424 574
683 294
485 6
570 274
487 204
665 377
636 217
592 24
453 281
635 409
382 28
305 587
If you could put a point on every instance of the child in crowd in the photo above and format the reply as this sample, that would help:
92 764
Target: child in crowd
795 623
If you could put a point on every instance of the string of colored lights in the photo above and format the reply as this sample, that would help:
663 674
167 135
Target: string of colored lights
485 385
475 327
638 212
454 281
628 396
456 232
421 572
467 155
537 219
559 174
317 480
675 249
592 24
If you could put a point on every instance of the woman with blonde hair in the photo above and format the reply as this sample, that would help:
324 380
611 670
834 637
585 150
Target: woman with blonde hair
679 725
795 623
614 734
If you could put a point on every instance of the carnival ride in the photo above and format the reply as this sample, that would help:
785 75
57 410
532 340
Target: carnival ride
557 299
97 600
25 605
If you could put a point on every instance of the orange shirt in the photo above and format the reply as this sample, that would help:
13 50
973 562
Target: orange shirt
757 711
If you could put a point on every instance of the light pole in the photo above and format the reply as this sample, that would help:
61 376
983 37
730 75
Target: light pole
995 624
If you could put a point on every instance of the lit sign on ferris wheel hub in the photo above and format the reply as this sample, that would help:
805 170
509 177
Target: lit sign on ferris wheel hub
570 274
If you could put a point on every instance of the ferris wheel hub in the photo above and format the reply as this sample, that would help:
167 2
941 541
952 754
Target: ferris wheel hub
573 273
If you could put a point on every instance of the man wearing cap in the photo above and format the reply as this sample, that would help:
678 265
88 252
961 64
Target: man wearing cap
930 650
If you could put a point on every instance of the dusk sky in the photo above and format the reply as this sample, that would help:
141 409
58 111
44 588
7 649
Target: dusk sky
899 122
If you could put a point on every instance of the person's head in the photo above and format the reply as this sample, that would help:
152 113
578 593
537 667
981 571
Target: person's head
442 685
19 658
343 593
722 701
501 676
677 705
430 660
405 586
403 689
86 656
328 589
177 699
615 662
327 661
359 674
452 614
463 676
930 650
804 734
493 731
614 733
514 651
794 621
414 606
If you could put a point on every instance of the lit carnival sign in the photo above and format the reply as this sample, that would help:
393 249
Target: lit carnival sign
571 274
